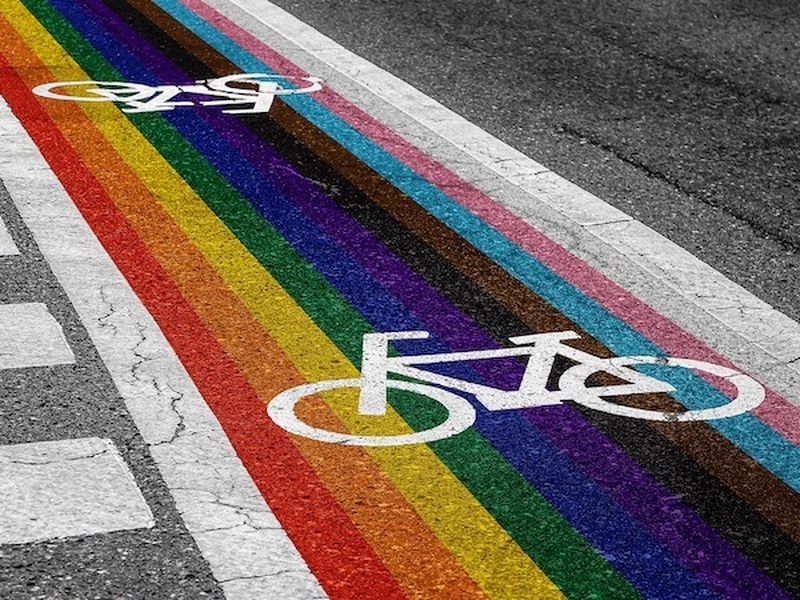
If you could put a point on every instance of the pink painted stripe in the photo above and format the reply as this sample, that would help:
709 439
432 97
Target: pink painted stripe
775 411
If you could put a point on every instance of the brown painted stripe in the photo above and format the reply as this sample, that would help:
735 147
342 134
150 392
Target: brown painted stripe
190 47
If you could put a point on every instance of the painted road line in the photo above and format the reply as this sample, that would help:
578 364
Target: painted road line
7 245
78 401
269 248
747 330
31 337
234 528
775 368
770 348
67 488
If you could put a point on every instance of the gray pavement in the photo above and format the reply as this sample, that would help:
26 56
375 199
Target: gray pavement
69 402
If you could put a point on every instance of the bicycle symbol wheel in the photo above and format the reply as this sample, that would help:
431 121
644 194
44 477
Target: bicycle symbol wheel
461 414
273 84
95 91
749 393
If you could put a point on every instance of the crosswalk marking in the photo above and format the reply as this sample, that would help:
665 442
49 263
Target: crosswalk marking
31 337
67 488
7 245
210 485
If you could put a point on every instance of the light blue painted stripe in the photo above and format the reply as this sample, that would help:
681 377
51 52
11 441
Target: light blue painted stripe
750 434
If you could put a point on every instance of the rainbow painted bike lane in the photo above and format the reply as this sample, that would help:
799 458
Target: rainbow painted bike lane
281 207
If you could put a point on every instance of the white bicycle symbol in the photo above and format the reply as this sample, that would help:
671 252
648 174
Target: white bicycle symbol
542 350
258 90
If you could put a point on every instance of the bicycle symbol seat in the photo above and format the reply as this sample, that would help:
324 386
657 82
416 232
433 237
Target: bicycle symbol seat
542 350
258 90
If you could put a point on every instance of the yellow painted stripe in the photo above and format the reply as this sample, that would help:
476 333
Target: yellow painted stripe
447 507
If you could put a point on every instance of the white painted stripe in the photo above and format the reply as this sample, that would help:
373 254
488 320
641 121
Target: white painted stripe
31 337
698 298
67 488
248 551
7 245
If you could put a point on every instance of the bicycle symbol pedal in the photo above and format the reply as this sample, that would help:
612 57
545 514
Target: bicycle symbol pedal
541 350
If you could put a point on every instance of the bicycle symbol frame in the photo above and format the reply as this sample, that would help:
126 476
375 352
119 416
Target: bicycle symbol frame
542 349
258 90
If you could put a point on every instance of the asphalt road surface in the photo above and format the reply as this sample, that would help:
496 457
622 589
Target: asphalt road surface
683 114
217 226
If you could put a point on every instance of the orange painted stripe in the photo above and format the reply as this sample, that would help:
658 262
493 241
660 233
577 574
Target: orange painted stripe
388 522
347 567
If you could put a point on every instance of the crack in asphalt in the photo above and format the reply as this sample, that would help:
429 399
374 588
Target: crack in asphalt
59 459
136 368
786 242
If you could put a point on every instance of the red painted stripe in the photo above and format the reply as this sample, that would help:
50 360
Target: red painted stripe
341 559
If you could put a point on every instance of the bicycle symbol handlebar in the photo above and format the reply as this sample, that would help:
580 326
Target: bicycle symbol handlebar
255 89
542 349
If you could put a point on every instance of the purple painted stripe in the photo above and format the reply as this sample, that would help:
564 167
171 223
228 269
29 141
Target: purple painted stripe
698 546
681 530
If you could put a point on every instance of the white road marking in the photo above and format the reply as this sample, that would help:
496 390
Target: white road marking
248 551
67 488
31 337
737 324
7 245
